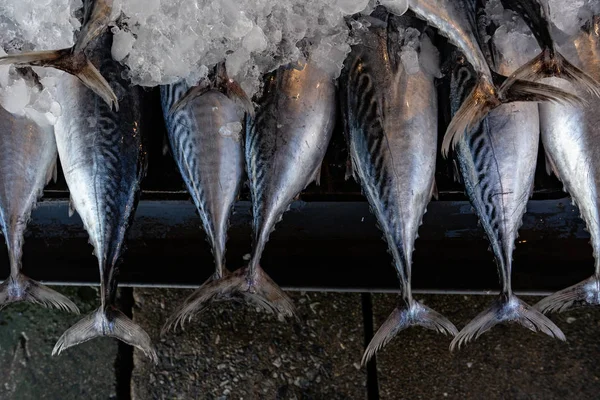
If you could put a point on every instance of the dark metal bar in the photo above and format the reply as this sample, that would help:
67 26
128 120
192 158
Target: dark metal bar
319 245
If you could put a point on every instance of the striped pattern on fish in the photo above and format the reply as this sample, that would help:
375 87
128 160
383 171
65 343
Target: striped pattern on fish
210 158
390 118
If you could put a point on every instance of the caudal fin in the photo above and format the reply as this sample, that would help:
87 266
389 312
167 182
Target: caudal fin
553 64
22 288
404 316
110 322
73 60
258 290
507 309
485 97
586 293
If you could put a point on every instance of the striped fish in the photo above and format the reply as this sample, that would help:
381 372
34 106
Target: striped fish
390 119
103 157
571 138
497 163
286 141
206 140
456 21
27 164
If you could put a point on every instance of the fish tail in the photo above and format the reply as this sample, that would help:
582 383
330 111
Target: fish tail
406 315
485 97
257 289
507 308
22 288
551 63
581 294
73 60
106 322
224 84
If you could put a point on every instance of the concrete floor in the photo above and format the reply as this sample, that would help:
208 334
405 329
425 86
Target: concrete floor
234 352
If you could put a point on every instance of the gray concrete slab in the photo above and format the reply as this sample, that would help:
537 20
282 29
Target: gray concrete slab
508 362
28 333
234 352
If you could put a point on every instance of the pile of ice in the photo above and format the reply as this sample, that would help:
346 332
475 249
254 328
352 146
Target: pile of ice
29 25
512 39
570 15
162 41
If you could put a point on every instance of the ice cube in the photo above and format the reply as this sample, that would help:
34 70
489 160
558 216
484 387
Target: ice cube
255 40
122 44
350 7
410 60
397 7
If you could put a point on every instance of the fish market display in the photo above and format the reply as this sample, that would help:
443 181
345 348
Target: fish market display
27 164
103 159
390 116
571 138
206 139
497 163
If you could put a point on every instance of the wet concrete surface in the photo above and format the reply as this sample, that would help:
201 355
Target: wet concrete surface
507 362
234 352
28 333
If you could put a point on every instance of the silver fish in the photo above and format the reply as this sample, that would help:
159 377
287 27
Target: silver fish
103 159
550 62
206 140
571 138
285 145
27 164
390 118
497 163
456 21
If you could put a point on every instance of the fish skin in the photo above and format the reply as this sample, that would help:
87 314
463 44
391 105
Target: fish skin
211 165
390 120
571 138
497 162
103 157
456 21
27 164
286 142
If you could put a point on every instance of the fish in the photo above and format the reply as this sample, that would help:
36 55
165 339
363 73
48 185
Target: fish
103 157
497 162
390 121
74 60
285 143
571 138
456 21
27 165
550 62
205 134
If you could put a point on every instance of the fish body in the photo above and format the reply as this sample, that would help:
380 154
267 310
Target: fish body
456 21
285 143
103 157
27 164
497 163
571 138
390 118
206 140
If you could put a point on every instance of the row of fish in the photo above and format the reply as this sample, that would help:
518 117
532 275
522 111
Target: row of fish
391 119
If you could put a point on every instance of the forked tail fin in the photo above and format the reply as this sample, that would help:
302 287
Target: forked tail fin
73 60
404 316
485 97
258 290
586 293
22 288
109 322
553 64
507 309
